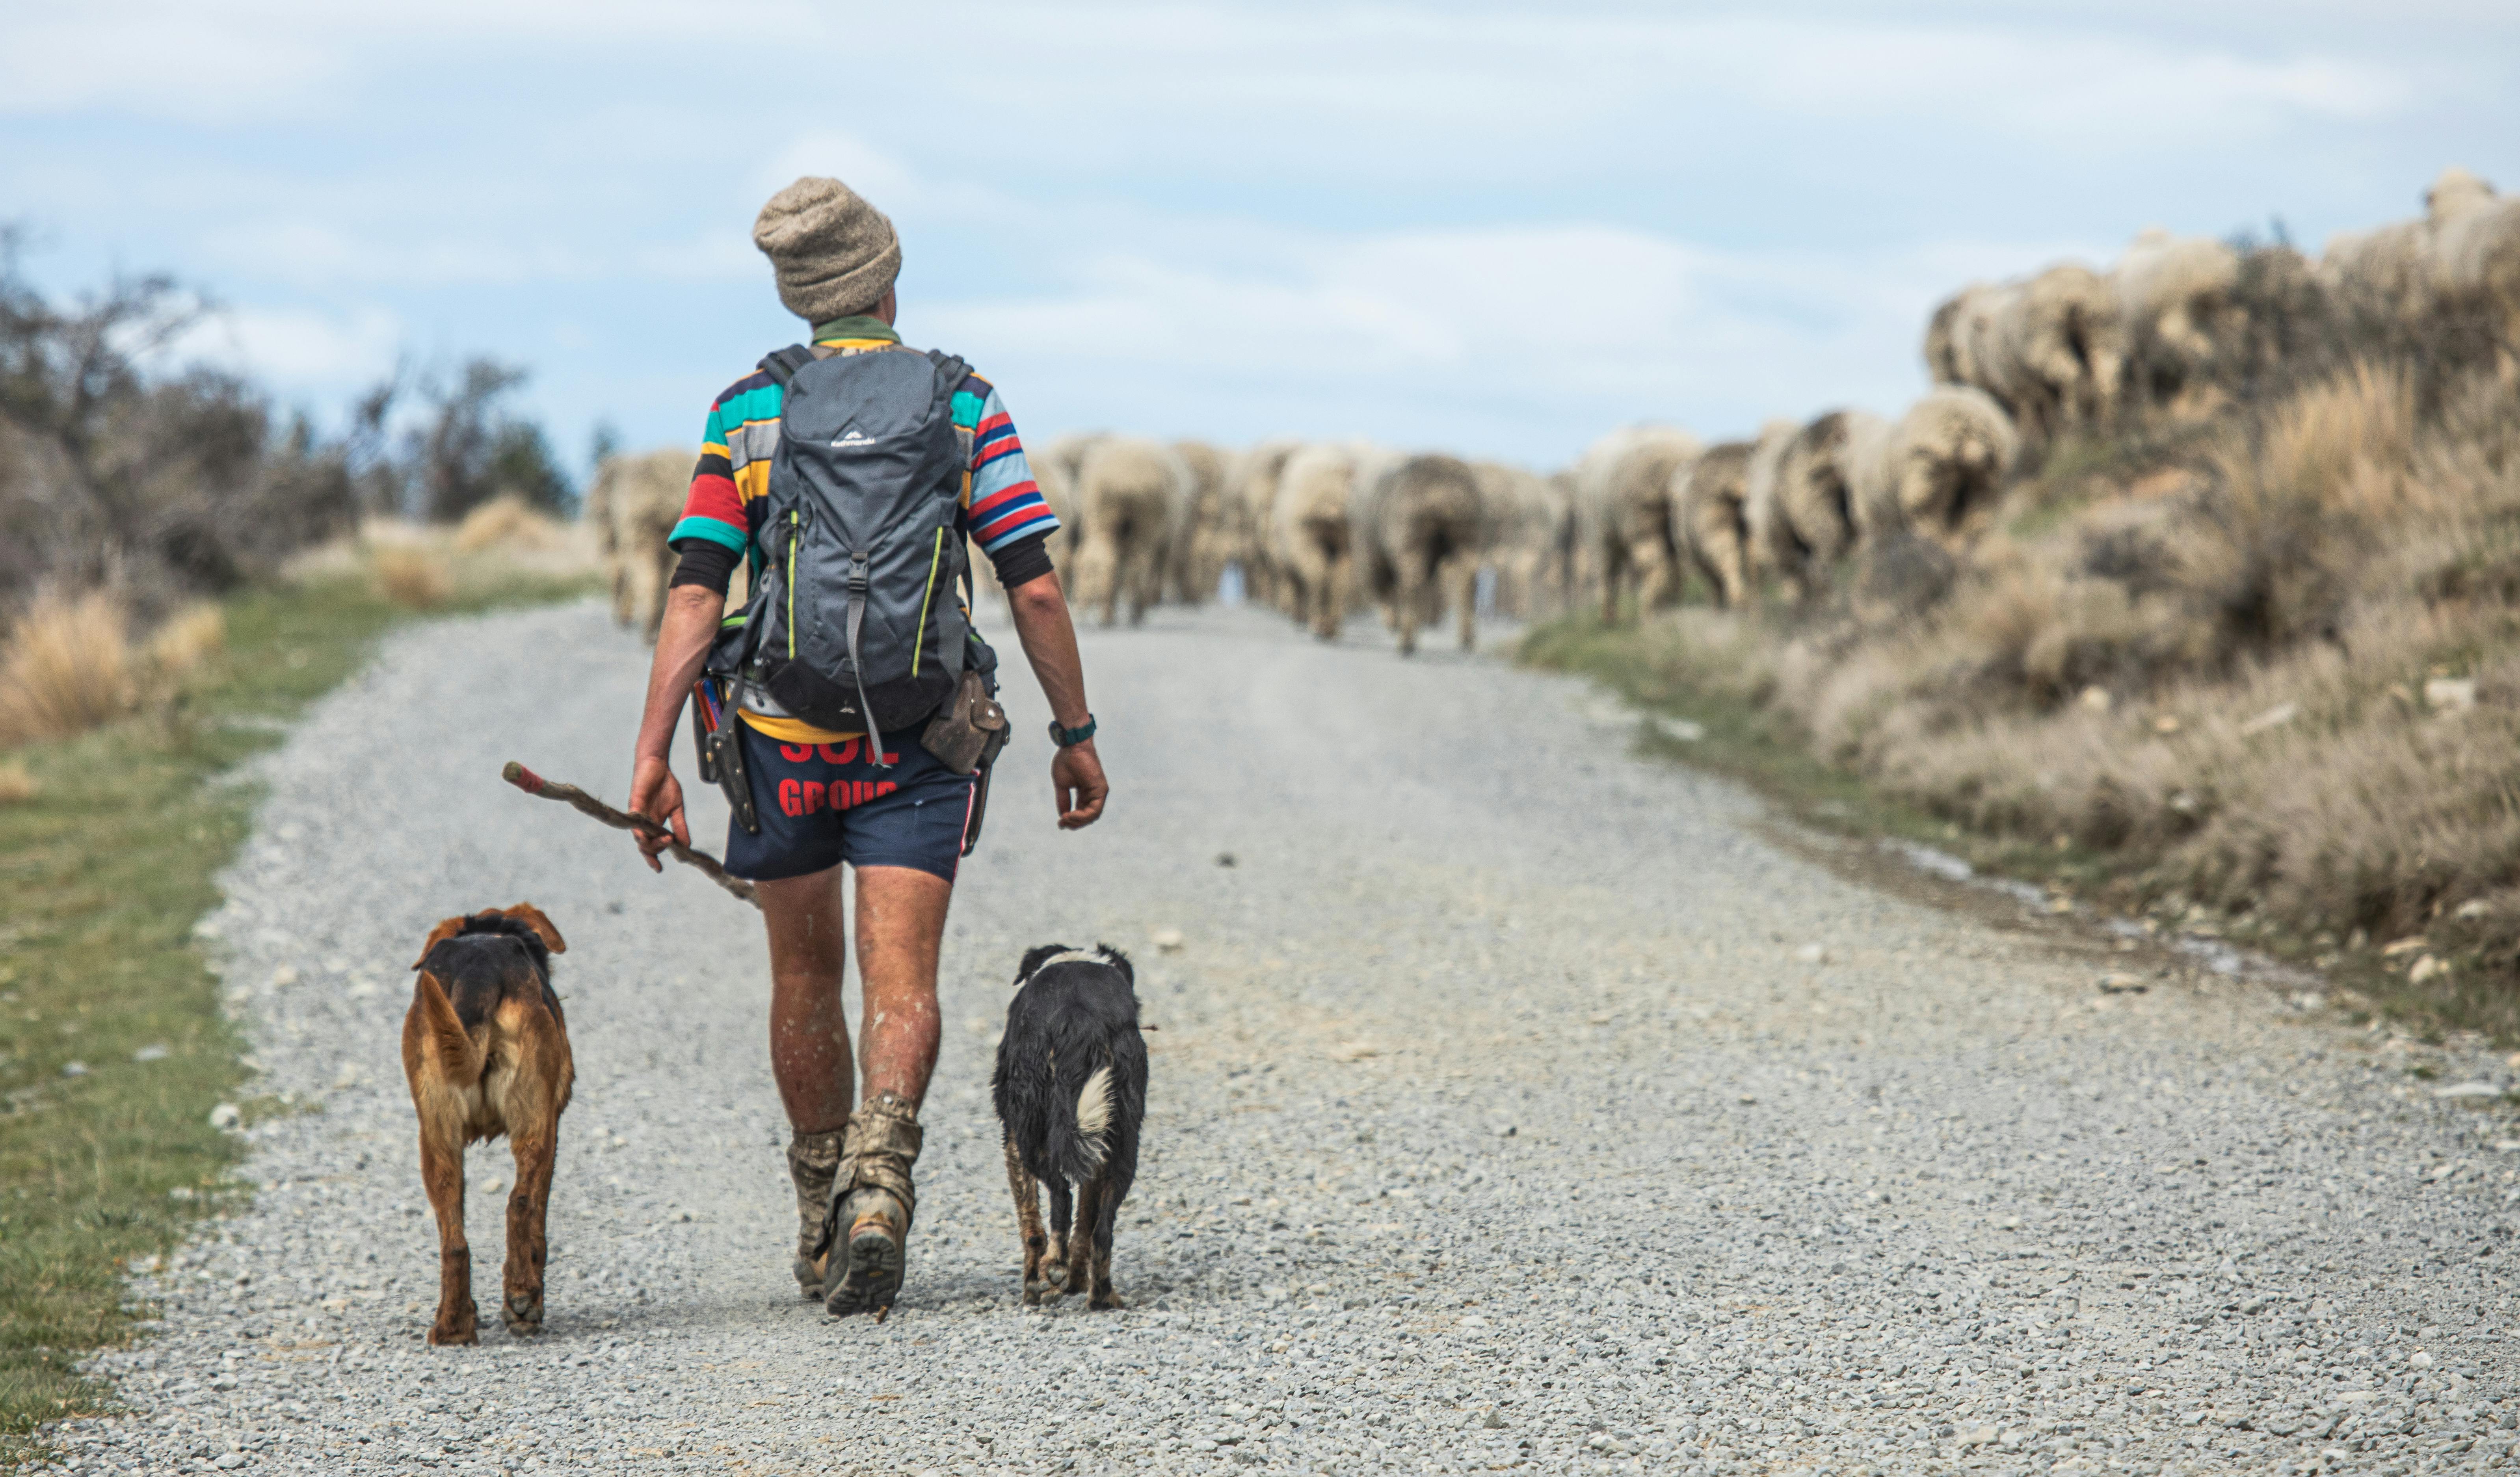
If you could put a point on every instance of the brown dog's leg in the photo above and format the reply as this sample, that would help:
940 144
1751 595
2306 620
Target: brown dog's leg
1027 1193
1106 1213
1080 1241
441 1173
520 1305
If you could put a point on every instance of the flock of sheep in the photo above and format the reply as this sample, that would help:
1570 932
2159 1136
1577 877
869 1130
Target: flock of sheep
1319 528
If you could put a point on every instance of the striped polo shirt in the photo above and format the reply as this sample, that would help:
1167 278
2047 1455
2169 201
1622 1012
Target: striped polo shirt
1001 501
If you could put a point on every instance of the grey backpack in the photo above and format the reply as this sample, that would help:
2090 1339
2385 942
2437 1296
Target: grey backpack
856 623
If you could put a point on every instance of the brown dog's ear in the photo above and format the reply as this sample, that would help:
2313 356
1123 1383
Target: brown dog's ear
532 917
437 935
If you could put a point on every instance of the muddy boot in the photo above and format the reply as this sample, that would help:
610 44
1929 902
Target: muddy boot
812 1159
872 1203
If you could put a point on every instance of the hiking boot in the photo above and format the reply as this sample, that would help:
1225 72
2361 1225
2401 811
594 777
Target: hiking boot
870 1255
870 1208
813 1160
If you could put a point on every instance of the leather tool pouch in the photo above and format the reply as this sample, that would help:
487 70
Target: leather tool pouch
966 734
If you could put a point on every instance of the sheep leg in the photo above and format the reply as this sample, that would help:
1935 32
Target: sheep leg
1462 581
1408 604
1656 586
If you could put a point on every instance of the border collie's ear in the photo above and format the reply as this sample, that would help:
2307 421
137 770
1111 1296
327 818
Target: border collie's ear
532 917
437 935
1119 962
1034 958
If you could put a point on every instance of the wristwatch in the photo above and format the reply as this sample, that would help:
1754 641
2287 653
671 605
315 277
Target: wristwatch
1070 737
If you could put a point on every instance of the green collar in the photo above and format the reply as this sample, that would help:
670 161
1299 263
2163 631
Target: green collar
856 325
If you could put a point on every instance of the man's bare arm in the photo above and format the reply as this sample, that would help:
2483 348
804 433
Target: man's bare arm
691 614
1042 623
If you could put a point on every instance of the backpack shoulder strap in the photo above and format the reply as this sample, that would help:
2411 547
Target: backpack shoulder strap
951 370
781 365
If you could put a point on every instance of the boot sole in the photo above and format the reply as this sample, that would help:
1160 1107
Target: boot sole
873 1277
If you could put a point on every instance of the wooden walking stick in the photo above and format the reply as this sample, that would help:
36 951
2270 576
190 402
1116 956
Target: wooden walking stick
532 784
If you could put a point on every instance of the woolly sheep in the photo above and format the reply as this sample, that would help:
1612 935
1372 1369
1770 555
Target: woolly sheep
1800 490
1054 471
1129 491
2383 272
2476 250
1936 471
1420 531
1312 531
2175 296
1251 493
1201 540
633 505
1710 501
1947 360
1623 487
1531 538
2050 349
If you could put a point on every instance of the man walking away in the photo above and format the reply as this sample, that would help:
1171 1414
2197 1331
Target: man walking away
830 794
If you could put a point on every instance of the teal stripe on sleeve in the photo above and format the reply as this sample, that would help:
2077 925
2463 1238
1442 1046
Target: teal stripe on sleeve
711 529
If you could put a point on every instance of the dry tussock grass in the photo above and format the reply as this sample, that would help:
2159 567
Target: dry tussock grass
67 667
2222 683
186 642
411 576
506 522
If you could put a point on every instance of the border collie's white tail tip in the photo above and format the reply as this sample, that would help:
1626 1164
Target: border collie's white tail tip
1094 1110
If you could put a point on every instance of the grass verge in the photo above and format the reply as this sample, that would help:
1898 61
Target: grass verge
112 1048
1740 733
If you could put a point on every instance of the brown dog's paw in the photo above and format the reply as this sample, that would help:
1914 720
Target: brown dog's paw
1037 1293
1107 1298
523 1313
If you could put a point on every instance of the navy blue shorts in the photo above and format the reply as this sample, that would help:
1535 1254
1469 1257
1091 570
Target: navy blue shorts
821 804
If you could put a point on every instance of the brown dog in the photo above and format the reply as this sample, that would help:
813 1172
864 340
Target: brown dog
487 1054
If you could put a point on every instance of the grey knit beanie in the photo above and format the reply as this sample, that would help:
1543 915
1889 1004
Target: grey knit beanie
835 255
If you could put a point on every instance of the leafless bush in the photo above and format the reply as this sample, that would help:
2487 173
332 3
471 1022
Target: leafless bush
473 450
165 484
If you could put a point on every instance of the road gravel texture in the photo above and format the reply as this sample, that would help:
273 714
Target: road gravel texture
1518 1105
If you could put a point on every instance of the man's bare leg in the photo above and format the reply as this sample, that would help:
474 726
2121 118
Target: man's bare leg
809 1034
809 1048
901 927
901 922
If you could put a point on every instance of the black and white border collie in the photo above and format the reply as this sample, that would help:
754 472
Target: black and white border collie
1071 1091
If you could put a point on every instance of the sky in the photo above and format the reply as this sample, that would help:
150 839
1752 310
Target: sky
1494 229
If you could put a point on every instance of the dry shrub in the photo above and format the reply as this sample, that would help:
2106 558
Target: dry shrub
67 667
410 576
17 785
505 523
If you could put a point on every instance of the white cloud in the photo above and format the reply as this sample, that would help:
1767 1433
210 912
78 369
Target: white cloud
297 350
1514 341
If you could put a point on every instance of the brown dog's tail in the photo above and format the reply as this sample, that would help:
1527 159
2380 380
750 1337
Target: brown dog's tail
442 1033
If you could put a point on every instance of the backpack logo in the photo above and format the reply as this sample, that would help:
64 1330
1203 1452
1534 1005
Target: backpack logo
851 439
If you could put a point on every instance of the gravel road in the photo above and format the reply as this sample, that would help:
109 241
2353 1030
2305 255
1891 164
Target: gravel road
1517 1103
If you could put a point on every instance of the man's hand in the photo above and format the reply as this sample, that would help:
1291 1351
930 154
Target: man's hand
657 796
682 644
1076 785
